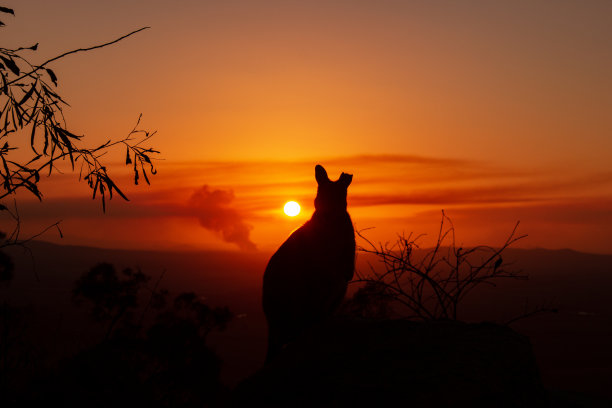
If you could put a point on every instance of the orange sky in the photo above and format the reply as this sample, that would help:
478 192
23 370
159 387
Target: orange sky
493 112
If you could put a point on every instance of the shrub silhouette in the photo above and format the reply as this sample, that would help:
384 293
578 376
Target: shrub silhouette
306 279
431 285
113 297
161 360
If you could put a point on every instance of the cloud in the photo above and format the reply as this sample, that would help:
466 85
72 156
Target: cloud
444 197
592 211
214 212
538 196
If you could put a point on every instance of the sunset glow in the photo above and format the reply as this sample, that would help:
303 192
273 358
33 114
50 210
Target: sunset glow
494 113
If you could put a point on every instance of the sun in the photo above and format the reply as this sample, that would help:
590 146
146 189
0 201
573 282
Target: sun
292 208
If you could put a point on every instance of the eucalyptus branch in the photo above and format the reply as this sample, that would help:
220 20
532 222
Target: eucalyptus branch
27 100
92 169
41 66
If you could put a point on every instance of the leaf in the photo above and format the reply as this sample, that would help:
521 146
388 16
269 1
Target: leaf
3 207
27 95
64 137
38 156
32 139
7 10
70 134
112 185
95 188
103 196
128 160
46 141
102 146
36 191
2 24
49 92
13 116
144 173
10 64
52 75
7 172
32 47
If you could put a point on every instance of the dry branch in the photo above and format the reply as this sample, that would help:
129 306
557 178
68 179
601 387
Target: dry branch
433 286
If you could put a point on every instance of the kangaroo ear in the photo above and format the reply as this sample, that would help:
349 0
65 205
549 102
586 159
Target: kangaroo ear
345 179
321 174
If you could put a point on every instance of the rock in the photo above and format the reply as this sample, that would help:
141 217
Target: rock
351 362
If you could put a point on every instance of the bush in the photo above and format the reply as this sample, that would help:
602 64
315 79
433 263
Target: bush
429 285
161 360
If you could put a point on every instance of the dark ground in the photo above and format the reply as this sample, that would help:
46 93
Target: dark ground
572 347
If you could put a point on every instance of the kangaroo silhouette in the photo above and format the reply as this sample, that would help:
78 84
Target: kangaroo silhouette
306 279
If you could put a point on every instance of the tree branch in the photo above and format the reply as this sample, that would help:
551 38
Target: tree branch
39 67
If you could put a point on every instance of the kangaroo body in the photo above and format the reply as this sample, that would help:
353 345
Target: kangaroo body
306 279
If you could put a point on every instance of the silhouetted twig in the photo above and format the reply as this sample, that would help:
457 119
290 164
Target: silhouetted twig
14 237
95 47
433 286
544 308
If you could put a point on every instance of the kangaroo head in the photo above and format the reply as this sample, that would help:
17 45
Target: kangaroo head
331 195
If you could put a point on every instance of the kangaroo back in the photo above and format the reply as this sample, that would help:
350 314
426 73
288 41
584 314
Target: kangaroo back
306 278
